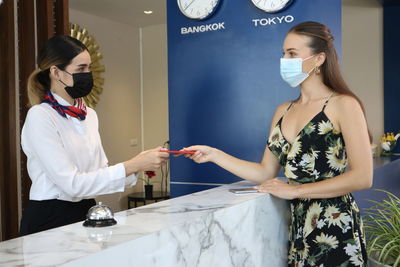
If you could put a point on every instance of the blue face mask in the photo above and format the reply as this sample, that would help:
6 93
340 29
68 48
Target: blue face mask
292 70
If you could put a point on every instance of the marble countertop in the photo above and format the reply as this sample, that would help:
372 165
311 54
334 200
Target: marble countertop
73 244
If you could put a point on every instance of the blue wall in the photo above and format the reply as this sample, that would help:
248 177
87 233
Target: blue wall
391 43
224 85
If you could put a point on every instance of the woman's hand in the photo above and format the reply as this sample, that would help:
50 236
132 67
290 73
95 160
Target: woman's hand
203 153
149 160
278 188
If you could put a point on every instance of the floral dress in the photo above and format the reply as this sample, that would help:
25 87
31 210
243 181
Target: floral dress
322 232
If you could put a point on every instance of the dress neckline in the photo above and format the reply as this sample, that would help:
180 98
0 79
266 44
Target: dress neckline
311 120
279 124
322 112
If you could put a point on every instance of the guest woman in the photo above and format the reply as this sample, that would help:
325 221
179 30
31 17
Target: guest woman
314 138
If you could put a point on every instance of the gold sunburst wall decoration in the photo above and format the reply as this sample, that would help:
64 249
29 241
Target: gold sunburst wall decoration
97 68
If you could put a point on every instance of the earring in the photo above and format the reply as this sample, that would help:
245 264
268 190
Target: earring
317 70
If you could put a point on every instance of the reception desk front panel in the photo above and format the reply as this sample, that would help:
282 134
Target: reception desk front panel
209 228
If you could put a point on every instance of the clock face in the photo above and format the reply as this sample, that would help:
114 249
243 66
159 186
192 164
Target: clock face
272 6
197 9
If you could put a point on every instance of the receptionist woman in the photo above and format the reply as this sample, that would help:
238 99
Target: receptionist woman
60 137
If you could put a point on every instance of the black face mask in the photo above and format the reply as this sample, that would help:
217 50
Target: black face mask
83 84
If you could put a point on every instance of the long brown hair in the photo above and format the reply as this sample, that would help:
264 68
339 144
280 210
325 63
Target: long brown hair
321 40
57 51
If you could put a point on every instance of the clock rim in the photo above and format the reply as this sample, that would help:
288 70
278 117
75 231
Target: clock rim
202 18
290 2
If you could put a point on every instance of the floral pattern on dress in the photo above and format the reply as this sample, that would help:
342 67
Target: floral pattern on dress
322 232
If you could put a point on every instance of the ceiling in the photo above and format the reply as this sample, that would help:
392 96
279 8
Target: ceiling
124 11
131 11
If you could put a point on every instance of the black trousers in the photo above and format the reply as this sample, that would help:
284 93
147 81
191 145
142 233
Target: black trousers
47 214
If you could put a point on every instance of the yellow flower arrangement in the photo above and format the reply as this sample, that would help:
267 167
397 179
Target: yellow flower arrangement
388 143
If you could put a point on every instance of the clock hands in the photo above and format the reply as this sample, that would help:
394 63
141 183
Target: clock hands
189 5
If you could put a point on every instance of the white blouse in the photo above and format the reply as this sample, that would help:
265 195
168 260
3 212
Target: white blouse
66 159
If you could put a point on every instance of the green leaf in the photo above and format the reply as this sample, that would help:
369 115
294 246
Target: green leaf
382 227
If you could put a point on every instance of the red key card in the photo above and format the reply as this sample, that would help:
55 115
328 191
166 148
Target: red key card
179 152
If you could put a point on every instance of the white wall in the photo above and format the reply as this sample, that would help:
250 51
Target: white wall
136 66
119 106
155 88
362 35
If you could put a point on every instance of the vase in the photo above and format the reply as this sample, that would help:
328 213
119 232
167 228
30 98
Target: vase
148 191
387 148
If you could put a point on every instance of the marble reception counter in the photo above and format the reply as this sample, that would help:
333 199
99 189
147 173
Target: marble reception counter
208 228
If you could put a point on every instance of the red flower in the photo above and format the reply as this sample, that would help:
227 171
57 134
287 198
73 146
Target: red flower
150 174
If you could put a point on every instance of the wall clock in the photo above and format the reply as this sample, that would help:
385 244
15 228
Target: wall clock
272 6
198 9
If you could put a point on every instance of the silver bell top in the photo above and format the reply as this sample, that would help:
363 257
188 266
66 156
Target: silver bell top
100 212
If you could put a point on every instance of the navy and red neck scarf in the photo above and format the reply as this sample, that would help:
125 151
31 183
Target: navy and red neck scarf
76 112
